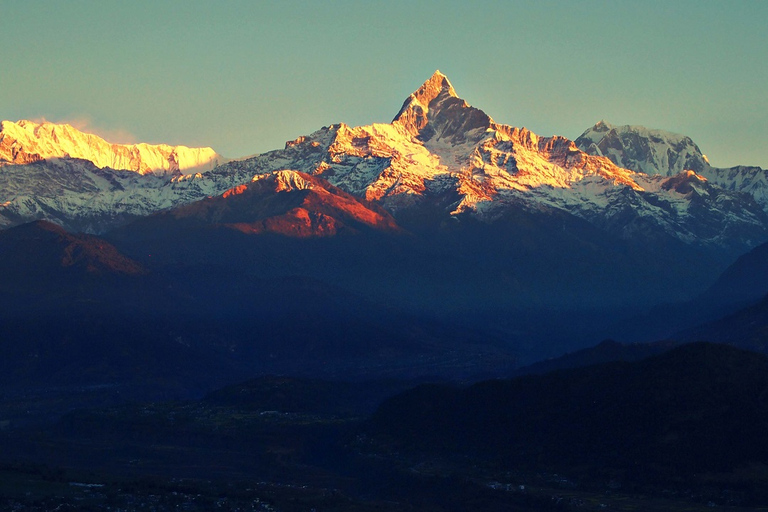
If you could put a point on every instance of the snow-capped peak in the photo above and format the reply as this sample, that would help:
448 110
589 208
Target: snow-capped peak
437 85
439 152
27 141
597 132
643 149
435 111
665 153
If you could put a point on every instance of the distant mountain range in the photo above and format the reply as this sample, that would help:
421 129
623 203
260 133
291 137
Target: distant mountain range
463 228
27 142
439 153
660 152
440 165
311 283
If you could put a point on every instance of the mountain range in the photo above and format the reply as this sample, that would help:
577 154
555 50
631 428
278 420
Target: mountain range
443 216
659 152
305 291
26 142
439 153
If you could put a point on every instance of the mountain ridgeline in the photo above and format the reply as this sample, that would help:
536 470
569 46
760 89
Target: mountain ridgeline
697 409
278 311
442 243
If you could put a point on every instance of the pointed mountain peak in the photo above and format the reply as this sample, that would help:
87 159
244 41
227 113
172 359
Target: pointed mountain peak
435 110
602 126
437 84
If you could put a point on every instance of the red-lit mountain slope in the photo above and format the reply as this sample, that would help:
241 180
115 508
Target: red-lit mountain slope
289 203
440 155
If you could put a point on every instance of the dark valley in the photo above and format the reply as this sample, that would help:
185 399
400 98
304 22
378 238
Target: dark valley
439 313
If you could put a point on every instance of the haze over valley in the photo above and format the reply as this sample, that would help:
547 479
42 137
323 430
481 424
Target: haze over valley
435 309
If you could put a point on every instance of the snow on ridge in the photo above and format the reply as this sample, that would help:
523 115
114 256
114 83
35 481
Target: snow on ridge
642 149
654 151
438 148
27 141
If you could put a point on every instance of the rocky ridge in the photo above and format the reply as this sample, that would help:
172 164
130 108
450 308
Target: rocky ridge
665 153
289 203
438 152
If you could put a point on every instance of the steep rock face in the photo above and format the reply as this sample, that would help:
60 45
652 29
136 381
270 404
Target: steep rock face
439 144
26 142
746 179
660 152
439 155
442 151
642 149
435 111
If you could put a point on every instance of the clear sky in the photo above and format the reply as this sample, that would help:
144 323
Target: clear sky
245 76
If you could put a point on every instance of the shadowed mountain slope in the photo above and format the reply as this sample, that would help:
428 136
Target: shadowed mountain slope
697 408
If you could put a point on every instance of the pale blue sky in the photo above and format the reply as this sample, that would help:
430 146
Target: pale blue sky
245 76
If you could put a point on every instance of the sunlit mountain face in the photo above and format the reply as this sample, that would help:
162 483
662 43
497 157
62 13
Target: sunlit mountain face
359 261
438 153
26 142
289 203
443 211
